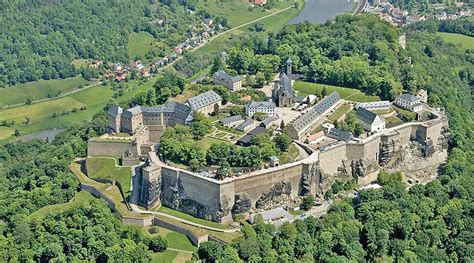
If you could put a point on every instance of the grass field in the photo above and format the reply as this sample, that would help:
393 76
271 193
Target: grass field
466 42
139 44
104 168
241 15
173 212
290 155
339 112
79 198
80 62
206 142
238 12
344 93
40 114
37 90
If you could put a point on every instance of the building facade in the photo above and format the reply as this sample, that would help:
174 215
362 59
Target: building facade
265 107
233 83
283 94
409 102
206 102
371 121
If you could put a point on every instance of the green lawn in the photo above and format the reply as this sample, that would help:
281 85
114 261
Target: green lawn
238 12
182 215
139 44
79 198
104 168
466 42
37 90
344 93
206 142
175 239
339 112
165 257
290 155
80 62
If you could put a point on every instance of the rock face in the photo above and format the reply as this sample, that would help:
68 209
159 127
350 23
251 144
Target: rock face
280 192
385 152
358 168
242 204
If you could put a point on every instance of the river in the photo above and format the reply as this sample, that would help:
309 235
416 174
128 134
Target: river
318 11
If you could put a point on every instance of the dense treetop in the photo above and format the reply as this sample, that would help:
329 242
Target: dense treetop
39 39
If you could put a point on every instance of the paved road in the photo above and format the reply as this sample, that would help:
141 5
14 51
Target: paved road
226 32
360 7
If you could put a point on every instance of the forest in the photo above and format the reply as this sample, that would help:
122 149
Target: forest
41 38
432 222
423 224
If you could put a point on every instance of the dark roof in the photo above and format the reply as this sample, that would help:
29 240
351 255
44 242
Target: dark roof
285 84
268 121
266 104
115 110
224 75
231 119
204 99
299 99
340 134
244 124
257 131
133 111
365 115
408 97
307 119
245 140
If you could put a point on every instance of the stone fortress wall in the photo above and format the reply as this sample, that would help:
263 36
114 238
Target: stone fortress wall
282 185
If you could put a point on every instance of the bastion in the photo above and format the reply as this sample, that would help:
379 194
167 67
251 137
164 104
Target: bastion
280 186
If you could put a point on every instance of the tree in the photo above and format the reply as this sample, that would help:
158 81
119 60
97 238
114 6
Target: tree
216 109
158 244
218 64
235 110
283 142
308 202
17 133
210 251
200 125
282 125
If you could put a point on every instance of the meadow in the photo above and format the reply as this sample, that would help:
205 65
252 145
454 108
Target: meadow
38 90
305 88
139 44
105 168
466 42
41 114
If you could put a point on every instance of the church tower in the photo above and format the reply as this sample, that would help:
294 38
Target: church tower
288 67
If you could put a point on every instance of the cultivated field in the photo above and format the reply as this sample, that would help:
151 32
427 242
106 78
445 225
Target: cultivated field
305 88
37 90
466 42
41 114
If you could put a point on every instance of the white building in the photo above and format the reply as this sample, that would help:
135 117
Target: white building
409 102
232 121
205 102
265 107
375 105
371 121
233 83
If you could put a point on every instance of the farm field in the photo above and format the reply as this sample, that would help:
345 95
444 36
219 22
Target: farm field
345 93
139 44
238 12
37 90
104 168
466 42
40 114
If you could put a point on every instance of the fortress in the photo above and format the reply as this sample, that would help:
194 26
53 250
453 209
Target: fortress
222 200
